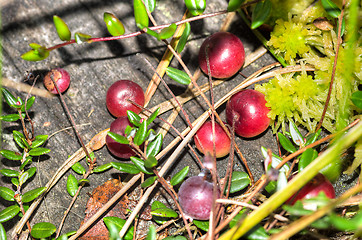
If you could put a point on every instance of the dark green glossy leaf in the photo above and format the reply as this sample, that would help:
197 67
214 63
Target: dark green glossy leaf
9 172
260 13
313 137
164 212
307 157
178 75
119 223
239 181
102 168
81 38
39 140
151 162
72 185
128 130
31 171
203 225
25 143
286 143
183 39
27 161
23 177
297 137
158 205
8 213
38 151
357 99
19 138
154 147
11 155
196 7
118 138
2 232
10 117
114 25
180 176
134 118
151 235
331 8
140 165
141 134
234 5
113 231
125 167
257 233
167 32
43 230
9 97
83 182
150 5
32 194
15 181
78 168
149 181
62 28
153 116
36 55
140 14
7 194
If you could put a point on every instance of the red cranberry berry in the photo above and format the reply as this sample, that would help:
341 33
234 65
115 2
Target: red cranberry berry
61 77
118 95
205 138
247 110
225 52
117 149
195 197
318 184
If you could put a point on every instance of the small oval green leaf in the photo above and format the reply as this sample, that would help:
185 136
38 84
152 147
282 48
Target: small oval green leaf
78 168
23 178
313 137
9 172
140 165
164 212
307 157
62 28
114 25
8 213
151 162
239 181
43 230
154 147
31 171
140 14
183 39
27 161
178 75
141 134
134 118
72 185
10 117
39 140
32 194
9 97
118 138
15 181
36 55
102 168
203 225
149 181
167 32
7 194
153 116
29 103
118 223
286 143
196 7
234 5
82 38
331 8
11 155
180 176
260 13
2 232
19 138
125 167
357 99
38 151
150 5
151 235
